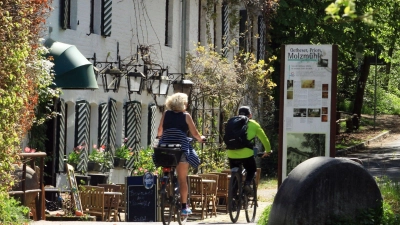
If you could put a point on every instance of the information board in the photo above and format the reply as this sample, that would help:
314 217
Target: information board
308 104
141 201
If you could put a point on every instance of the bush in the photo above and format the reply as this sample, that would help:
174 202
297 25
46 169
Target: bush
11 210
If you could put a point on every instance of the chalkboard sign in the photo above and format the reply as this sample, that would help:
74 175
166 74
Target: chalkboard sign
74 188
141 202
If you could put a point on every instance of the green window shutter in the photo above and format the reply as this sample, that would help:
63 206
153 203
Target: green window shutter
106 18
225 29
60 135
112 127
151 131
82 131
261 40
133 117
102 133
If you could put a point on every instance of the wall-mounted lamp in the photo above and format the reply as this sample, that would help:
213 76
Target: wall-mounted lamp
111 79
157 82
182 85
135 82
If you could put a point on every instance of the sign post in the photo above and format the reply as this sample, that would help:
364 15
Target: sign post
307 104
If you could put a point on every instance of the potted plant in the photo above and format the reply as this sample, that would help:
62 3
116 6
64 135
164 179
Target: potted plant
98 158
73 157
122 154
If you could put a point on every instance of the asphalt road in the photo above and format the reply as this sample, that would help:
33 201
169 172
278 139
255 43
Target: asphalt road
381 158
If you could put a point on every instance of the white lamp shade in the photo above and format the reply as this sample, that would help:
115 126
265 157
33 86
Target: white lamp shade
134 84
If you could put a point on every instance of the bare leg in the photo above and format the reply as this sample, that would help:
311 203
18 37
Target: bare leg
182 169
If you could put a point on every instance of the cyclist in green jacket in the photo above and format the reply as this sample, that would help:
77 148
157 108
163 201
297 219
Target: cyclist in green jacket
245 156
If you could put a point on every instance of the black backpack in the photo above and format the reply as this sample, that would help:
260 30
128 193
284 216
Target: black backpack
235 136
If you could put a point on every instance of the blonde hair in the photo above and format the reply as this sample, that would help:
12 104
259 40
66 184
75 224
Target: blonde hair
177 102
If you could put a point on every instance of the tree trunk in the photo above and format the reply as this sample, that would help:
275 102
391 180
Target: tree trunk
358 100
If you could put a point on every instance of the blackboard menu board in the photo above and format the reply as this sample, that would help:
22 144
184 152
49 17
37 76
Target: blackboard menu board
141 201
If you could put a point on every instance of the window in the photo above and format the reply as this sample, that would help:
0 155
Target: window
95 16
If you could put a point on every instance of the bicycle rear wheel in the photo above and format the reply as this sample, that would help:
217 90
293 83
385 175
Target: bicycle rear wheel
234 197
167 205
250 203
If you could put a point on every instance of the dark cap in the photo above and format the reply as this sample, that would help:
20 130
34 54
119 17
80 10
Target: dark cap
244 110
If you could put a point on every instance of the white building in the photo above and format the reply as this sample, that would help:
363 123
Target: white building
113 31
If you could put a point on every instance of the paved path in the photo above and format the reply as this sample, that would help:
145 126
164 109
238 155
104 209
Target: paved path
382 158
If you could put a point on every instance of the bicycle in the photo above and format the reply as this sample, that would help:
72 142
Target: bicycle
167 156
238 199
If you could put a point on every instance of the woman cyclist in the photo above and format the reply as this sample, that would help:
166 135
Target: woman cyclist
174 126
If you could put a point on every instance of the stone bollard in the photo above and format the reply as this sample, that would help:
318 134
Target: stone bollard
325 190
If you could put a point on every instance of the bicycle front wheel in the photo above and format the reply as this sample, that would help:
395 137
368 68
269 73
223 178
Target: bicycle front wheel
250 203
234 197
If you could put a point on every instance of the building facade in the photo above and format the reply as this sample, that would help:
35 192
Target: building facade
150 37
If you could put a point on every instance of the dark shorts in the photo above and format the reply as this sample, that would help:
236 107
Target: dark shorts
183 158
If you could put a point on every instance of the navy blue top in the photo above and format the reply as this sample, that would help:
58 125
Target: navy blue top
175 120
175 131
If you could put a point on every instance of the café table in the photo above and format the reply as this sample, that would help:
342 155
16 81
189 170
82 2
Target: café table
113 199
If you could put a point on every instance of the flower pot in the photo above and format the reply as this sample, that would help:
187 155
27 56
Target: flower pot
94 166
119 162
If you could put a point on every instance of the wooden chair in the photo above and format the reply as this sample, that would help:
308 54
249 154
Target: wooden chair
196 193
222 191
111 202
122 201
211 193
92 200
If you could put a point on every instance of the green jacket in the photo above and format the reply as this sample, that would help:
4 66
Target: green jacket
253 129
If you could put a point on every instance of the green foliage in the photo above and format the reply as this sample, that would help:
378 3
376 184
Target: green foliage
11 211
123 152
264 216
144 162
22 71
73 157
386 102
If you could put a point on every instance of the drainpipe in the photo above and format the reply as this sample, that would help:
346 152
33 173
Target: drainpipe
183 39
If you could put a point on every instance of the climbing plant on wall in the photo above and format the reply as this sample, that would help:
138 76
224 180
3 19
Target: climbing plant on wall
24 76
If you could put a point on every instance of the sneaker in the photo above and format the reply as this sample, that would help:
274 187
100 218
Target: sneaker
248 190
186 212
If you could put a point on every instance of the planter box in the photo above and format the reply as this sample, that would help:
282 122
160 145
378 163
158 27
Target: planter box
93 166
119 162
